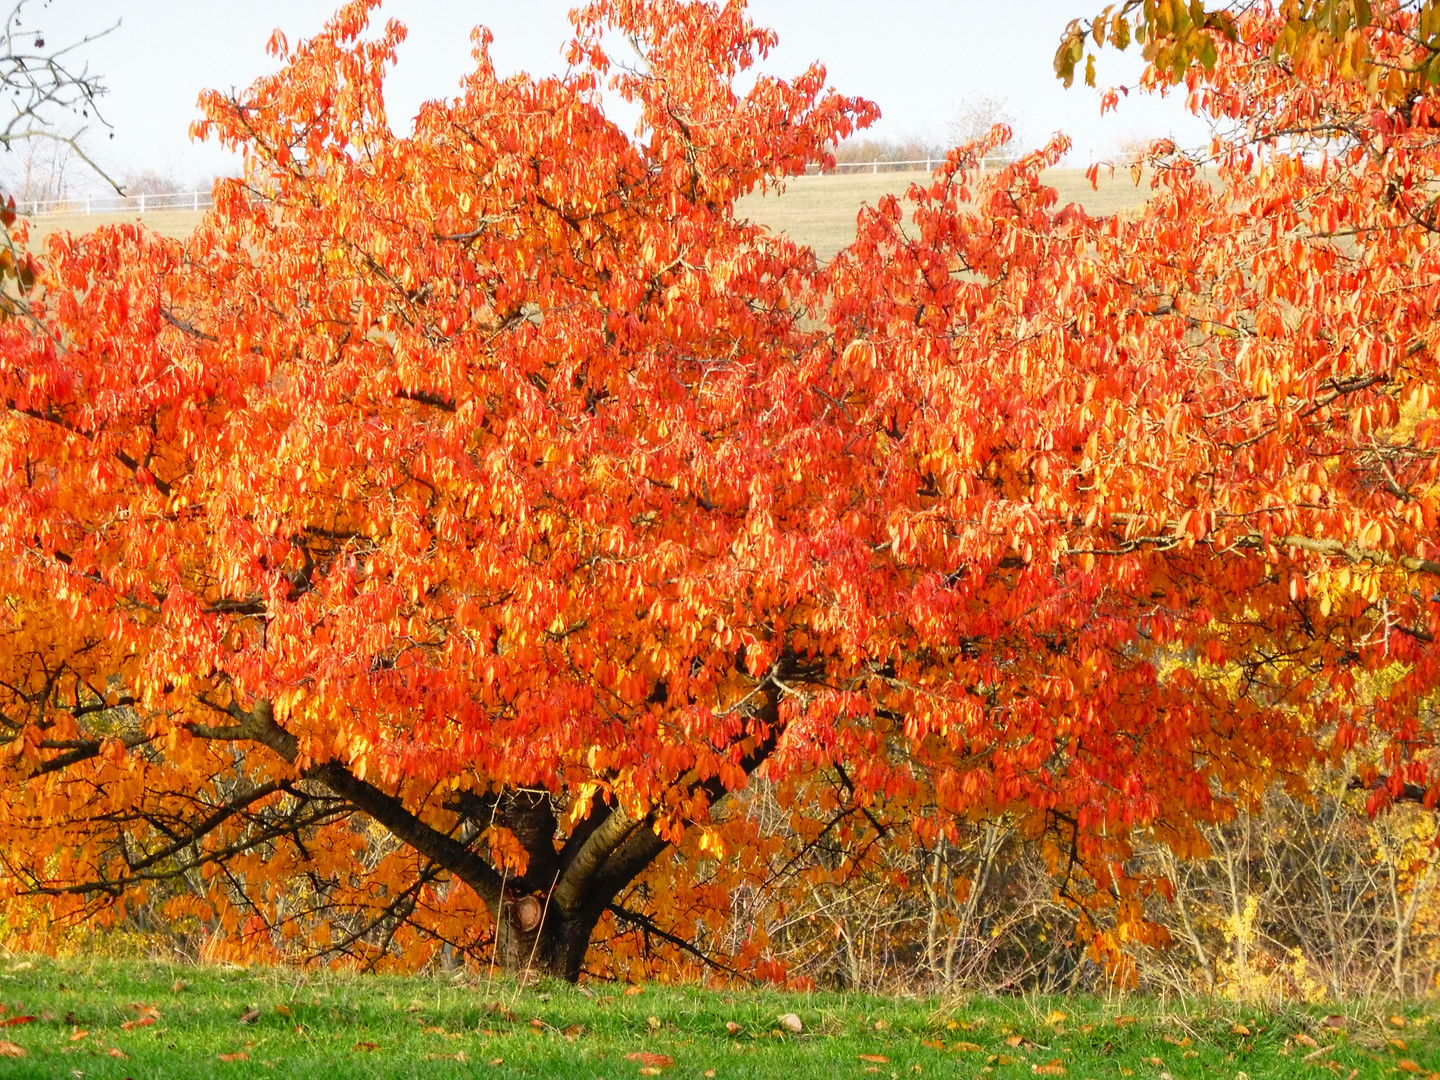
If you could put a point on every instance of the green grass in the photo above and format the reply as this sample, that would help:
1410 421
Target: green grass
307 1023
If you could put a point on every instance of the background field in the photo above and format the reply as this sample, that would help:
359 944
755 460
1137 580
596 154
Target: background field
98 1020
817 210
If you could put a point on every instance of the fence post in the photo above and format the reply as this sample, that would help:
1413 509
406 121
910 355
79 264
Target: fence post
142 202
196 201
87 205
875 168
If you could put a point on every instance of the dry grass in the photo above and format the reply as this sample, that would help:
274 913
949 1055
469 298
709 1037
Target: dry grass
818 210
165 222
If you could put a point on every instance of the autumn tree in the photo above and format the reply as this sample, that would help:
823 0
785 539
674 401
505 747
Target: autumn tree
427 549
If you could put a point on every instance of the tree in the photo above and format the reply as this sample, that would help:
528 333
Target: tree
425 551
1353 40
50 99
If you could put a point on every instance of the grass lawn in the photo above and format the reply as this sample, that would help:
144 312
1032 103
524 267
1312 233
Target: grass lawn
818 210
93 1019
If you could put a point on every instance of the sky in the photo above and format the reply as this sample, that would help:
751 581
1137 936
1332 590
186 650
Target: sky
922 61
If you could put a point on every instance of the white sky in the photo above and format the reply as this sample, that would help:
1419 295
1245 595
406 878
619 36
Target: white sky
921 60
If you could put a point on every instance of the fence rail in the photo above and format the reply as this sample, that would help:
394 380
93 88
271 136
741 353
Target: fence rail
114 204
201 200
929 164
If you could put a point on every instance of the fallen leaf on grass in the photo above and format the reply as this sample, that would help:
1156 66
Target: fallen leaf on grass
249 1016
1006 1059
1239 1029
10 1049
649 1070
1157 1062
654 1022
733 1028
631 991
18 1020
1056 1017
1399 1044
497 1061
1398 1021
1121 1021
116 1052
1306 1040
967 1047
1050 1068
461 1057
1173 1041
238 1055
283 1010
367 1046
1335 1021
1015 1040
178 985
880 1059
77 1035
790 1022
663 1061
1406 1065
573 1032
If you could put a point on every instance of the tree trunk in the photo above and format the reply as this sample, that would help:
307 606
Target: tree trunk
554 946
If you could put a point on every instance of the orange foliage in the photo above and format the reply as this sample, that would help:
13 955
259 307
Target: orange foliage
454 520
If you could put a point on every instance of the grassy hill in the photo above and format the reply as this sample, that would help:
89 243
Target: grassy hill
817 210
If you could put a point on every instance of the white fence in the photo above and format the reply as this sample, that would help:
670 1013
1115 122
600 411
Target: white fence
201 200
114 204
928 164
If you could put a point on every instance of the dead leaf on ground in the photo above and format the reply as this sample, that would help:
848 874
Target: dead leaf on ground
1014 1040
654 1022
238 1055
644 1057
1306 1040
1157 1062
116 1052
790 1022
367 1046
1050 1068
1239 1029
573 1032
1121 1021
631 991
78 1034
1056 1017
967 1047
1398 1021
10 1049
249 1016
1335 1021
733 1028
878 1058
1406 1065
15 1020
178 985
